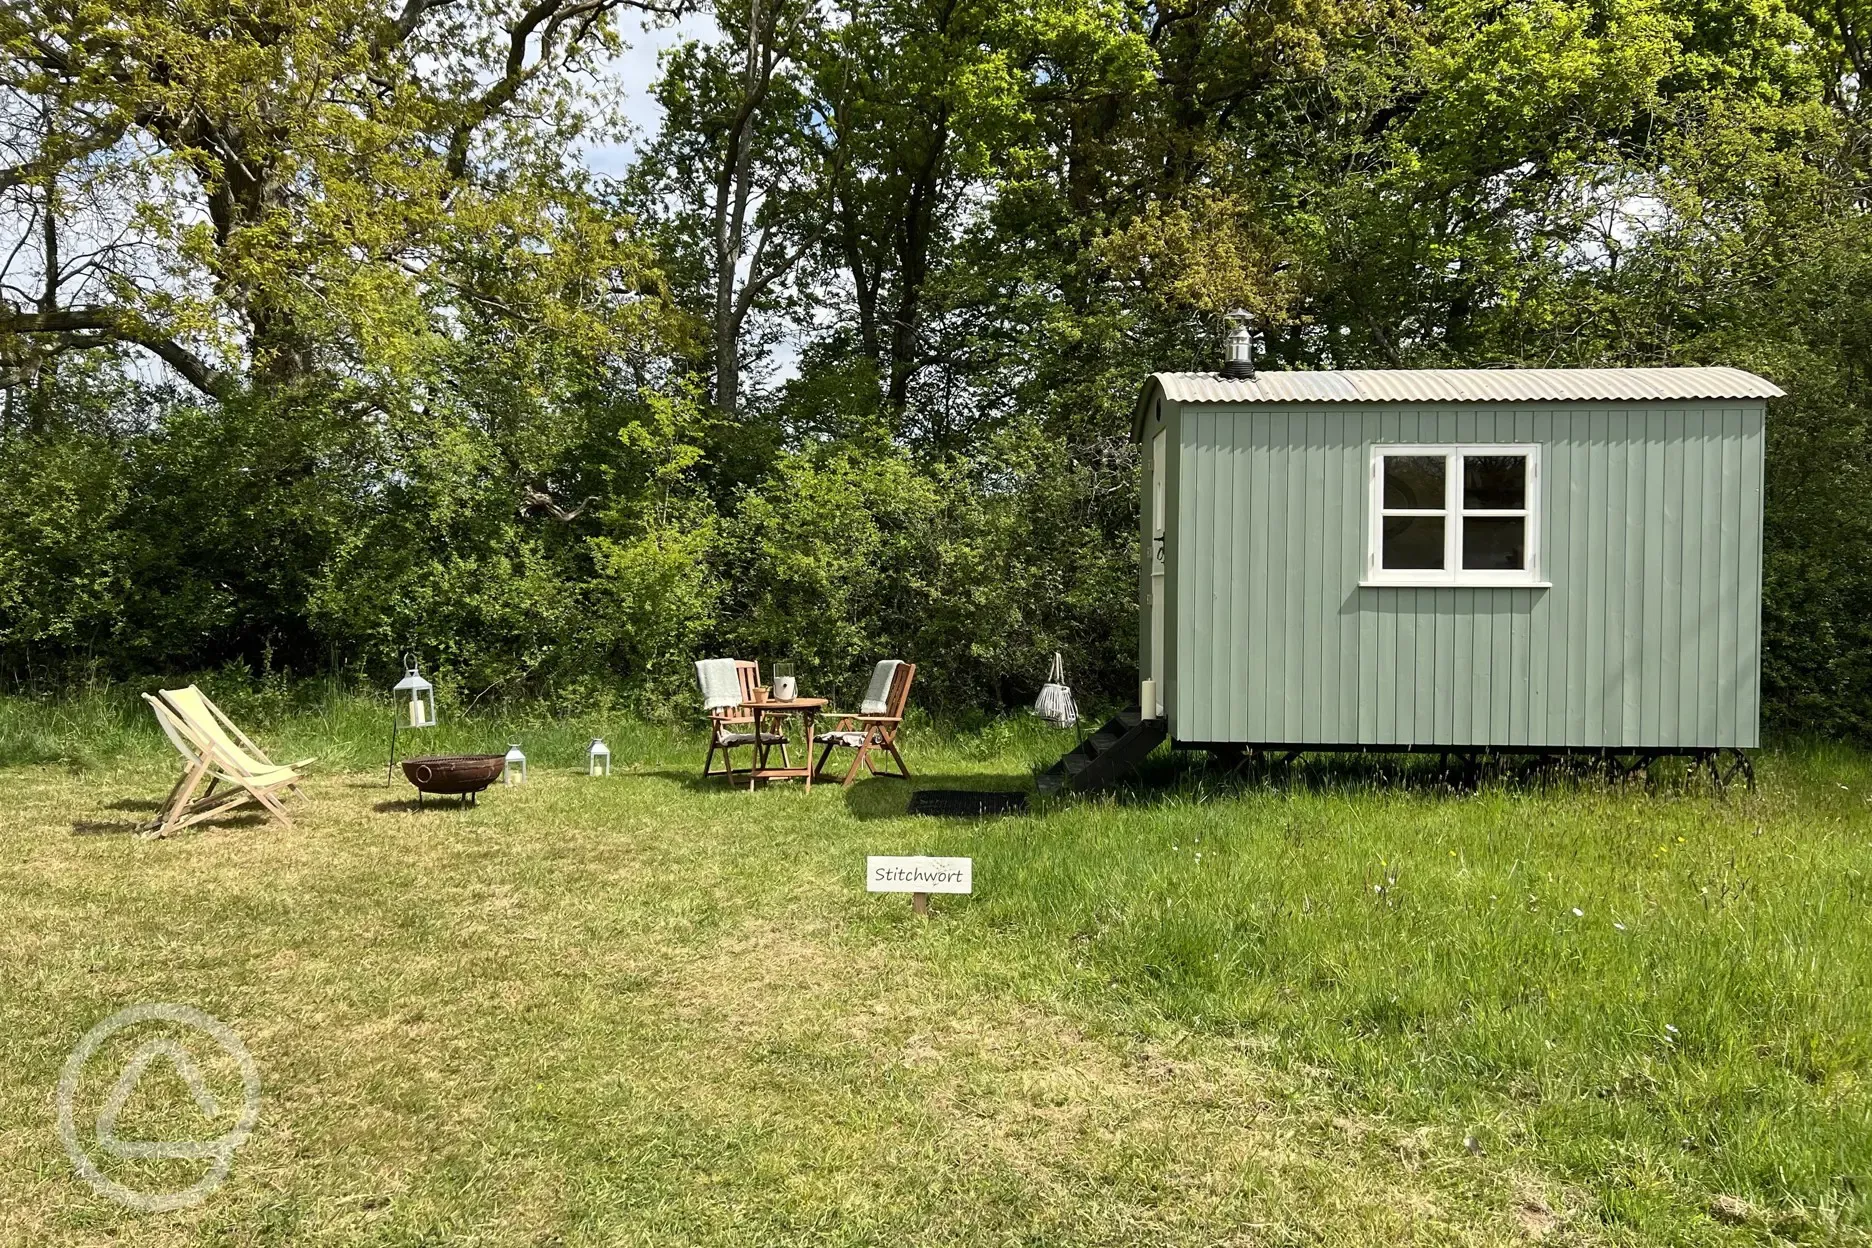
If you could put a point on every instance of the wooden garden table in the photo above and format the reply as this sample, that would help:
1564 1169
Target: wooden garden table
808 710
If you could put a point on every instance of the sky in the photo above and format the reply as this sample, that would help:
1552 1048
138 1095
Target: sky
634 71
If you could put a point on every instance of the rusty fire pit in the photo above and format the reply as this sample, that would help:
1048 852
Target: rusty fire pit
455 774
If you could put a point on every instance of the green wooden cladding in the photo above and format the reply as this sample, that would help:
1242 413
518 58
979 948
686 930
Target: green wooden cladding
1649 636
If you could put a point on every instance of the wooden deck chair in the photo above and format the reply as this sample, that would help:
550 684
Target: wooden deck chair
216 751
725 718
195 707
875 727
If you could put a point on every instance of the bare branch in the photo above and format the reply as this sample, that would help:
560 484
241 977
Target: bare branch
413 13
545 19
94 325
758 282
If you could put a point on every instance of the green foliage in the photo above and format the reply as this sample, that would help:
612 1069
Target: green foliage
654 593
61 576
449 392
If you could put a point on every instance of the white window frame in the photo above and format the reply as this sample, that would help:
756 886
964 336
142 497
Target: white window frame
1454 514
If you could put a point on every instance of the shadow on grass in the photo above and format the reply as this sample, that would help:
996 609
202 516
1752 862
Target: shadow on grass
691 779
870 797
134 803
1182 776
695 782
888 797
423 805
129 827
106 827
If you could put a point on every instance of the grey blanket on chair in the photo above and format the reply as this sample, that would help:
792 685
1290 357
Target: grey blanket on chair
721 688
877 696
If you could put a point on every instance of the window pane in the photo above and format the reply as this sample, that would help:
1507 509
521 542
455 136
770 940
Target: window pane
1495 482
1494 543
1414 481
1413 542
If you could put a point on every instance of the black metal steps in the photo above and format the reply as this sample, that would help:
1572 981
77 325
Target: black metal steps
1107 755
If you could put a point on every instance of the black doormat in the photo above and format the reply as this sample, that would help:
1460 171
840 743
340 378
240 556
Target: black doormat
963 803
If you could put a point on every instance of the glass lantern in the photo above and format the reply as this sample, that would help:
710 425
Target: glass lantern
514 772
421 697
412 705
598 758
785 682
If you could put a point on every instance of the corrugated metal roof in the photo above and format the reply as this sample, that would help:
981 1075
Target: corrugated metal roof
1470 385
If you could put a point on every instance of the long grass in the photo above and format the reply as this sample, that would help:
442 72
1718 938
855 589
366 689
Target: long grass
1333 1006
1633 985
348 729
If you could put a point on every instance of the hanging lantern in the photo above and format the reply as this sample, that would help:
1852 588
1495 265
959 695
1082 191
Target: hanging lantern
515 770
420 696
598 758
411 706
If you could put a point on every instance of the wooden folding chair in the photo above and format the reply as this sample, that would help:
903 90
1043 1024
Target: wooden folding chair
868 732
233 744
722 723
216 751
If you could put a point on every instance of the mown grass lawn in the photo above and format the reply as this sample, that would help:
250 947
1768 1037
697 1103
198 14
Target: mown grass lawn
644 1010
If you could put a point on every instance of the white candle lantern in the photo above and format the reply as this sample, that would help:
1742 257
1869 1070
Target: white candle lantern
412 705
420 697
515 770
598 758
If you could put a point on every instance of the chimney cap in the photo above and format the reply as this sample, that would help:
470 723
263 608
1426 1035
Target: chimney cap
1238 348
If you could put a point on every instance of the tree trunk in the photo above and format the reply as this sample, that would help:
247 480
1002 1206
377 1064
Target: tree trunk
732 193
864 279
913 267
727 366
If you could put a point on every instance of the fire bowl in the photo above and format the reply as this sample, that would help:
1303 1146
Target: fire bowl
453 773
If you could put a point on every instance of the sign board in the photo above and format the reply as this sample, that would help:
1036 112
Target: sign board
918 874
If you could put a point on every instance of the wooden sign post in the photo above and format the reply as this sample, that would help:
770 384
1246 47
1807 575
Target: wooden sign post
919 876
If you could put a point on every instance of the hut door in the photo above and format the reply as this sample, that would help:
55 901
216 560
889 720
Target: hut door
1156 557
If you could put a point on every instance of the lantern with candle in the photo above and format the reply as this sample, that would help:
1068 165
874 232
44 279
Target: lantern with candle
785 683
413 706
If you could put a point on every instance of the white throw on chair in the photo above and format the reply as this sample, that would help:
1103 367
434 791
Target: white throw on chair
727 688
875 727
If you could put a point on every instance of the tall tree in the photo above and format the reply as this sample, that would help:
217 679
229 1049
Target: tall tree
273 180
732 176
